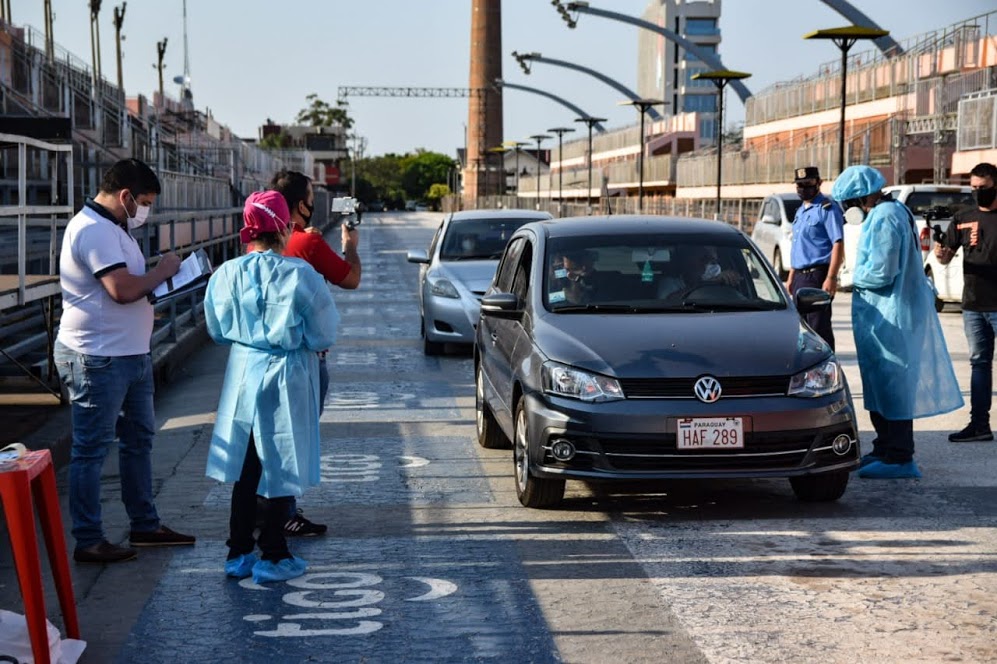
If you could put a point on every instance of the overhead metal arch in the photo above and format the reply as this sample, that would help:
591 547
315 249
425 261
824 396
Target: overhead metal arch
709 58
886 44
624 90
563 102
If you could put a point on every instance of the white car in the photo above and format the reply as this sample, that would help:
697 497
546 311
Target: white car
773 232
920 198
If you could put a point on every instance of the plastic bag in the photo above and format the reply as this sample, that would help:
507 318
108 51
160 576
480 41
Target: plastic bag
15 642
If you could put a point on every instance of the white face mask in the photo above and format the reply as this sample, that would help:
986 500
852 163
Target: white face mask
854 215
712 271
141 215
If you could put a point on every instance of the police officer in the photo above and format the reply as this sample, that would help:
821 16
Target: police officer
818 249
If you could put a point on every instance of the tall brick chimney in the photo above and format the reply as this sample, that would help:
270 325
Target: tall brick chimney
484 109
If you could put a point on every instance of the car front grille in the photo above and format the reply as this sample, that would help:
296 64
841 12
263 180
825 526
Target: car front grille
762 450
682 388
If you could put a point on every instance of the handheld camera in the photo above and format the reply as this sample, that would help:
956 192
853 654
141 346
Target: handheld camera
933 213
346 206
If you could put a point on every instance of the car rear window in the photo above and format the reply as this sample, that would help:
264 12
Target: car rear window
920 202
479 239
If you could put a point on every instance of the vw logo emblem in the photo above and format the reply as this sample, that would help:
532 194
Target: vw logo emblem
707 389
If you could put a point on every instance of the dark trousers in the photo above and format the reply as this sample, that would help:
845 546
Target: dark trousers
894 439
242 522
819 320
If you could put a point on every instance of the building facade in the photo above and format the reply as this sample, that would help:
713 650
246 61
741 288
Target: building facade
665 69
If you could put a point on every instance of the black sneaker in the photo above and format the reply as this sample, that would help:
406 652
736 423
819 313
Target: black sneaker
299 526
971 434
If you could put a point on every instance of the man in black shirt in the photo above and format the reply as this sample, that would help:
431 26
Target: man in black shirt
975 232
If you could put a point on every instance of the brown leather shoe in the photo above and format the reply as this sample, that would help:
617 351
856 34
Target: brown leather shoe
104 552
162 537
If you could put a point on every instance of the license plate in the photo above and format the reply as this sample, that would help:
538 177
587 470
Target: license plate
710 433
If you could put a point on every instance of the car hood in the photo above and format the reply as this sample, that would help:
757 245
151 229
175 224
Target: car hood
476 276
763 343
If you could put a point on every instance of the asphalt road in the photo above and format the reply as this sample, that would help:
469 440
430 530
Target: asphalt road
430 557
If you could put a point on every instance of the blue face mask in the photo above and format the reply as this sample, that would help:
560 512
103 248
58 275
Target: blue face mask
711 271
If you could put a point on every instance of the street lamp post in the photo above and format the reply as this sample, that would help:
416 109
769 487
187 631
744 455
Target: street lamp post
560 131
720 78
516 145
844 39
538 138
642 106
591 122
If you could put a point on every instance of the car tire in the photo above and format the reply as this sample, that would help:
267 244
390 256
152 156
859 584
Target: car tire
532 491
821 488
939 302
777 264
430 347
489 434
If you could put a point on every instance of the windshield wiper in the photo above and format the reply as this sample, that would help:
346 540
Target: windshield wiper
616 308
733 306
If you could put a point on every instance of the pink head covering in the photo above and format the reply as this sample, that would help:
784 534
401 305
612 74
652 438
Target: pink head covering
265 212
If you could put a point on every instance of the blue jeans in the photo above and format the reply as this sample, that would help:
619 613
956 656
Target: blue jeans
111 398
980 326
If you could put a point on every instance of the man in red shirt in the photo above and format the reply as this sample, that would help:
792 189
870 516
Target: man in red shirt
308 244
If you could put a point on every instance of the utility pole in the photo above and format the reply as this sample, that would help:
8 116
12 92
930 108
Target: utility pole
95 38
119 19
49 38
590 121
160 54
539 138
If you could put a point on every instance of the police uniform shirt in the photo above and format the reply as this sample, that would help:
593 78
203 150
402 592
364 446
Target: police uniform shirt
975 232
815 230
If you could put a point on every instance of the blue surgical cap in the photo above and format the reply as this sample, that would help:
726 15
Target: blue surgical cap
857 182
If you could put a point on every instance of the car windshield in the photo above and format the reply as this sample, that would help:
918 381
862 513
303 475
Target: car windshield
648 274
792 205
479 239
920 202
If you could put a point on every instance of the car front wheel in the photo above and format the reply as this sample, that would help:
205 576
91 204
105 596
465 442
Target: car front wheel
489 434
531 491
822 488
430 347
777 264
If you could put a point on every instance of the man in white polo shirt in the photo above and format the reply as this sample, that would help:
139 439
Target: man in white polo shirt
102 354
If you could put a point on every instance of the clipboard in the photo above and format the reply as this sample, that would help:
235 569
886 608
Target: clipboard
194 272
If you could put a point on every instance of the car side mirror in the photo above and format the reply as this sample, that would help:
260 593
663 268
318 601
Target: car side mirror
809 300
502 305
417 256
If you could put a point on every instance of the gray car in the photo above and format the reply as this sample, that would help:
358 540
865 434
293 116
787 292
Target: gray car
650 348
457 269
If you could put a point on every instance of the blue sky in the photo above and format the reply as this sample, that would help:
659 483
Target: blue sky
254 59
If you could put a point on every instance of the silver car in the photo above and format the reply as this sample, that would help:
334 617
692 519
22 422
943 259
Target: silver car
457 270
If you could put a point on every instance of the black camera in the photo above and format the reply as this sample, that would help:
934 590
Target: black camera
933 213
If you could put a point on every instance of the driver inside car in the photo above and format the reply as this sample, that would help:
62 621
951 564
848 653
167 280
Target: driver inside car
697 266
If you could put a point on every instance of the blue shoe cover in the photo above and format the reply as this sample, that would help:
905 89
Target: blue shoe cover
867 459
890 471
265 571
241 567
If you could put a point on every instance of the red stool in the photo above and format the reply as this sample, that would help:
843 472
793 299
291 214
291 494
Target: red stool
32 474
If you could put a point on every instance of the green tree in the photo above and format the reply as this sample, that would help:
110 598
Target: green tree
436 193
422 170
321 114
275 141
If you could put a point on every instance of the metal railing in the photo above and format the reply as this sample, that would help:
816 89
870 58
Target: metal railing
871 75
977 121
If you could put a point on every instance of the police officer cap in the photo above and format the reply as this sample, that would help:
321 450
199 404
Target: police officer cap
857 182
808 173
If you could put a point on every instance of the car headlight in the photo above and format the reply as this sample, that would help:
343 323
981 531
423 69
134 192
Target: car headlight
818 381
565 381
443 288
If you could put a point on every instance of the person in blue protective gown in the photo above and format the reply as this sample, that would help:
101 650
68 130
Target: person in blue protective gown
904 362
276 313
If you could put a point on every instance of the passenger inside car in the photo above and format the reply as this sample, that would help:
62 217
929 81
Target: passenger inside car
696 266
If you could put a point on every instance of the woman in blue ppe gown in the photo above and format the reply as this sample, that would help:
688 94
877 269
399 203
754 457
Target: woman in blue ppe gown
904 362
276 313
